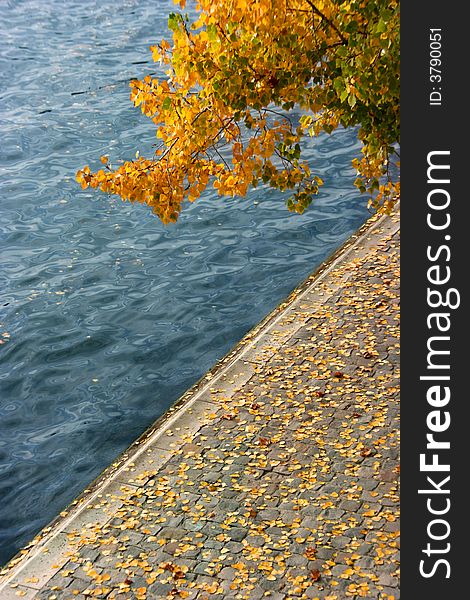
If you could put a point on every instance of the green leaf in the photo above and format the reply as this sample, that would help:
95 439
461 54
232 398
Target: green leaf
173 21
338 84
211 32
381 26
166 104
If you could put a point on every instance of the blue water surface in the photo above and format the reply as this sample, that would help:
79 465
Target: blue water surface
106 315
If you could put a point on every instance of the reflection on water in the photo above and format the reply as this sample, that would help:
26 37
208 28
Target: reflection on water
107 316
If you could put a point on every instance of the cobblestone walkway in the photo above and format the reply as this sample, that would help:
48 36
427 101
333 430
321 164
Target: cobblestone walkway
277 478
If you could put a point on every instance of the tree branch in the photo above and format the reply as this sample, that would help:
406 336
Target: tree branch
330 23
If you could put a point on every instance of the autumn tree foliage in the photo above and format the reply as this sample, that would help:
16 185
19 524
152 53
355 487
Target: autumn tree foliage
224 110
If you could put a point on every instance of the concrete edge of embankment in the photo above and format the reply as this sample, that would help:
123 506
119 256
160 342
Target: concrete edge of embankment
189 411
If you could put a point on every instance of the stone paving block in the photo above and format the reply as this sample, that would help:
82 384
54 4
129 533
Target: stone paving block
232 379
102 506
183 424
9 593
43 565
151 459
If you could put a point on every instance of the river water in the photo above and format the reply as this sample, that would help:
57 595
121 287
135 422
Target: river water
106 315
